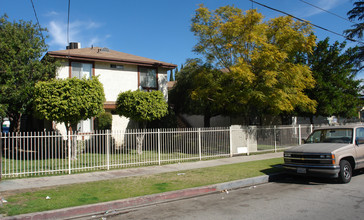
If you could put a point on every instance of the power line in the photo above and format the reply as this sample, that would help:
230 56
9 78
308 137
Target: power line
327 11
68 22
68 26
36 17
300 19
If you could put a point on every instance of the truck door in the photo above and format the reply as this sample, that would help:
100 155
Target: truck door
359 147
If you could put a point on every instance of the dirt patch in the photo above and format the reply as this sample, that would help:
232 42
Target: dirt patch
8 193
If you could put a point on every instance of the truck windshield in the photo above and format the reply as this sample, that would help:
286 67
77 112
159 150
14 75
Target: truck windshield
344 135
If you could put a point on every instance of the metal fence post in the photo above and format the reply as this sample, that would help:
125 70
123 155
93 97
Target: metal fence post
1 155
311 128
275 138
199 143
248 130
69 152
299 135
108 149
231 142
159 147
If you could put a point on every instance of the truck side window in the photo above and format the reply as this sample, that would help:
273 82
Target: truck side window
315 137
360 132
359 136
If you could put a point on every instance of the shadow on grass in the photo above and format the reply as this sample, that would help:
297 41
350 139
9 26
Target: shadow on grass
274 169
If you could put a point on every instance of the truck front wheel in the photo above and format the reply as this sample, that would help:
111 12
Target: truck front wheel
345 171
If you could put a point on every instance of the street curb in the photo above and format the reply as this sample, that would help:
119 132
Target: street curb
248 182
116 206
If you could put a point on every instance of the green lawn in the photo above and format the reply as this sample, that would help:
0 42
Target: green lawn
92 161
102 191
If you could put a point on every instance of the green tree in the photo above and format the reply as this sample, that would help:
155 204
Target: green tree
337 91
142 107
2 111
69 100
357 14
256 56
21 48
104 121
198 90
171 78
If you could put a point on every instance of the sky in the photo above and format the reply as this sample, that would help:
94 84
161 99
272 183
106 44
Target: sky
156 29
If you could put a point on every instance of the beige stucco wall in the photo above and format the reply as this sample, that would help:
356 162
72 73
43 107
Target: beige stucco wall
63 70
114 82
117 80
162 81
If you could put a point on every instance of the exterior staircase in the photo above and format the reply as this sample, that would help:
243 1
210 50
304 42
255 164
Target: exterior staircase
182 123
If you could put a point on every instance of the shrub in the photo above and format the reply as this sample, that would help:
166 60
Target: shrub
104 121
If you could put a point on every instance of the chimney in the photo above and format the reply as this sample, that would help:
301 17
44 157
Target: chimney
74 45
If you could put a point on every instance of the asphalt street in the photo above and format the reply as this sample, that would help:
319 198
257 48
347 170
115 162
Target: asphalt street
288 199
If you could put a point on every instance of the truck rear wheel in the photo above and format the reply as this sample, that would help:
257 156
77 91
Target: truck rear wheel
345 171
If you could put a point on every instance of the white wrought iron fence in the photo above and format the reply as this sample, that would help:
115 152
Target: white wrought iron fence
48 153
281 137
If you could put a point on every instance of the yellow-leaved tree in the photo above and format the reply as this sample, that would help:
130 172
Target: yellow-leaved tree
257 59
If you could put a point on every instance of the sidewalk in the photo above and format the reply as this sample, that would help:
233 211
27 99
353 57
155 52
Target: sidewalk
102 208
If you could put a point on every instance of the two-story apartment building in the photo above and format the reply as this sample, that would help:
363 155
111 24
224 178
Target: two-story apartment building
117 71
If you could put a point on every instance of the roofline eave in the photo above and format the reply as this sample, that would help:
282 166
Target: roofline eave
109 60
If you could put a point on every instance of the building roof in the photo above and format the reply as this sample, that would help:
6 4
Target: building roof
109 56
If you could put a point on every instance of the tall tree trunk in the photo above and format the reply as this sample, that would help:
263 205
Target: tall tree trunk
73 148
206 120
260 120
140 137
311 119
15 122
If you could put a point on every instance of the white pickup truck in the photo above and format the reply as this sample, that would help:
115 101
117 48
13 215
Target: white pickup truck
328 152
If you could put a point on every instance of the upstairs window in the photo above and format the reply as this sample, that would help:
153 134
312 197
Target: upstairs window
148 78
114 66
80 70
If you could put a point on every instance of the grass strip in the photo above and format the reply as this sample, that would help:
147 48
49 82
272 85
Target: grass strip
108 190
